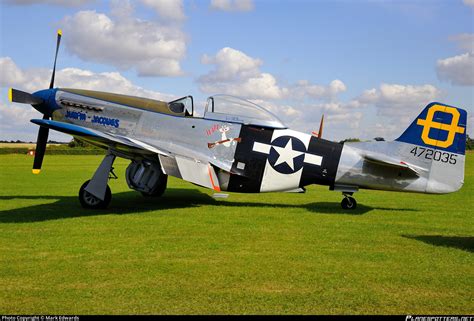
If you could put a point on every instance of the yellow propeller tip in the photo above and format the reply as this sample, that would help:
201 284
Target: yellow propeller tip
10 94
60 32
36 171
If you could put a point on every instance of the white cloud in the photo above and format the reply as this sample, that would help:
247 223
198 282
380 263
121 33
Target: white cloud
343 115
15 118
236 73
167 9
459 70
35 79
469 3
232 5
390 109
231 64
15 122
65 3
260 86
106 81
12 76
152 49
400 104
304 88
284 112
302 104
387 130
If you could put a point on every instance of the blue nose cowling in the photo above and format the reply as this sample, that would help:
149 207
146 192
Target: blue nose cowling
49 102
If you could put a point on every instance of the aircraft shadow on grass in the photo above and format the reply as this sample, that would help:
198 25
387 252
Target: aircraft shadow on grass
132 202
465 243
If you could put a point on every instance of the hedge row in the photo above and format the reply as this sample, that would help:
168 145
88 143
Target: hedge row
54 151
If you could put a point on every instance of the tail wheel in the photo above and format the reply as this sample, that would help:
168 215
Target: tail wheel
89 201
348 203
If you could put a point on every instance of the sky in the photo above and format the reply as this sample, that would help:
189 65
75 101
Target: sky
370 66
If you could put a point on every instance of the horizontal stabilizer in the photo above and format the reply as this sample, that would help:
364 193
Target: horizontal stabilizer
392 162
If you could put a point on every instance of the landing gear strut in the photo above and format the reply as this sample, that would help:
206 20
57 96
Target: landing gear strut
95 193
348 202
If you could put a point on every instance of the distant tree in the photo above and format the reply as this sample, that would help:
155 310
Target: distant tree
55 142
77 143
469 143
349 140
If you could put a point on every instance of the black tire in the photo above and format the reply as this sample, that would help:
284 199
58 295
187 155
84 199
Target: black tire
160 189
349 203
91 202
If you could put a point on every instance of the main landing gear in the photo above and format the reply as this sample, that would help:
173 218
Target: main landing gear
90 201
348 202
143 175
95 193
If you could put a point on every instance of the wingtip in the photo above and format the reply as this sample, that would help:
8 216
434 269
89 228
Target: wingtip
36 171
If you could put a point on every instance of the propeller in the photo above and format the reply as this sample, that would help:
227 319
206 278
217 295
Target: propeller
40 147
58 41
22 97
18 96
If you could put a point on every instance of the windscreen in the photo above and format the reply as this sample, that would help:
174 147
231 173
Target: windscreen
239 110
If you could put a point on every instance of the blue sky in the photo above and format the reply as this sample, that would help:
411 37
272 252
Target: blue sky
369 66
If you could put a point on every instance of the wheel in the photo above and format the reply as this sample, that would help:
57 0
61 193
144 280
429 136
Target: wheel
89 201
160 189
348 203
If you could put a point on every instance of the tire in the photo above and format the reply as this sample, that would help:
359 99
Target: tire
160 189
89 201
348 203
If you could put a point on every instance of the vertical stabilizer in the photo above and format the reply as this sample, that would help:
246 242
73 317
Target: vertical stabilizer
438 137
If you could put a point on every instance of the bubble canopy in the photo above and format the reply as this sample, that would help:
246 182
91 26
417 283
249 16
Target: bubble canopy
237 110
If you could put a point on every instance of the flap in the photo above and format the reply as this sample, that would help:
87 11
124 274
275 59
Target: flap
198 172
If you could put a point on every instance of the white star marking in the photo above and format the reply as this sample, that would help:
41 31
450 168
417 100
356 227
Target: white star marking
287 154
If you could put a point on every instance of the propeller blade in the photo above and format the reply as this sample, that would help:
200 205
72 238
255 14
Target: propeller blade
51 85
40 148
18 96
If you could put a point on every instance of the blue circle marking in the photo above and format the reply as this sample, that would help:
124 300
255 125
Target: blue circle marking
289 164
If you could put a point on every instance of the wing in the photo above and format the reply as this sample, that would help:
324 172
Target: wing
189 168
101 139
393 162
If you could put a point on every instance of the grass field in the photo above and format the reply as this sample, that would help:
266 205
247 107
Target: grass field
264 253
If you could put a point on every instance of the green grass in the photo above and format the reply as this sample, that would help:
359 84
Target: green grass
264 253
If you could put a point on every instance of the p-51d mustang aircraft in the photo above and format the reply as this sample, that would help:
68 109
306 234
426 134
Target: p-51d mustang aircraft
238 146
